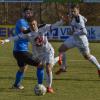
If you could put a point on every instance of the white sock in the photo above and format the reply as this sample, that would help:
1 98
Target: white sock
64 64
49 79
94 61
56 60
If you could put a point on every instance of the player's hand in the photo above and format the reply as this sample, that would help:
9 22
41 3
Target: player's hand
64 18
2 42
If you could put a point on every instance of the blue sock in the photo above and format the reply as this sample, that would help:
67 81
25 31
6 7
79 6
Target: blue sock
19 77
40 75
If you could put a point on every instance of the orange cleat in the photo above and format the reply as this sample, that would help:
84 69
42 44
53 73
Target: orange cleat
50 90
60 71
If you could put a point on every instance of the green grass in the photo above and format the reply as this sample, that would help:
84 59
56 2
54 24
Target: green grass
81 82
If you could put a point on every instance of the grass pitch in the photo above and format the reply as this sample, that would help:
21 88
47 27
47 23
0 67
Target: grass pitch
80 82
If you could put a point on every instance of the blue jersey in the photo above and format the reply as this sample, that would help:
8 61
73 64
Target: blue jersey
21 44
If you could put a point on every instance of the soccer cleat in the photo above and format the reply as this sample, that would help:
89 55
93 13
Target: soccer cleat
20 87
50 90
99 73
60 71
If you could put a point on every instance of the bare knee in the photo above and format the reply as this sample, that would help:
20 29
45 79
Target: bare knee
40 66
48 68
23 69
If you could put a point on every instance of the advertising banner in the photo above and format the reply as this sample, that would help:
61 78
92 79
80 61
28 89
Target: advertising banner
56 33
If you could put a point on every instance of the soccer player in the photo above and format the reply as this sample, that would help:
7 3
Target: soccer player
78 38
43 50
20 51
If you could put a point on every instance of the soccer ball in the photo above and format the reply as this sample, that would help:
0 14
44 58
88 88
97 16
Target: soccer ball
40 89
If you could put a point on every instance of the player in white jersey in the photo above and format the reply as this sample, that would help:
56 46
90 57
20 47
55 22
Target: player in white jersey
42 49
78 39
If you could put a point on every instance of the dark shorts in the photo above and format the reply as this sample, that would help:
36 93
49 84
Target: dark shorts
23 58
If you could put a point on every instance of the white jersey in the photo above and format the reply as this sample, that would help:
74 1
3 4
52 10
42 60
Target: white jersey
78 25
78 38
39 49
45 47
79 29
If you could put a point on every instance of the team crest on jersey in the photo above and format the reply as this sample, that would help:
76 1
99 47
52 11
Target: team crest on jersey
40 40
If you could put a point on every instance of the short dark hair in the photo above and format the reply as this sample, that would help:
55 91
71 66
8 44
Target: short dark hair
75 6
31 19
27 8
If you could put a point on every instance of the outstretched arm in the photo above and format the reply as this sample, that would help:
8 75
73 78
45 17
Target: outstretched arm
47 27
20 36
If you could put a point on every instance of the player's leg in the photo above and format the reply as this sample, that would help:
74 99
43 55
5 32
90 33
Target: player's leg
49 58
28 59
20 72
19 78
84 49
64 64
68 44
62 59
23 58
93 60
56 59
49 78
40 74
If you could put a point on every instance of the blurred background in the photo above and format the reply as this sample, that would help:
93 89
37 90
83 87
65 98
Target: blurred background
47 12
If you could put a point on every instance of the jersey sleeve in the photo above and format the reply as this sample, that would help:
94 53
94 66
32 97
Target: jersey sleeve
17 37
22 25
48 27
85 20
58 23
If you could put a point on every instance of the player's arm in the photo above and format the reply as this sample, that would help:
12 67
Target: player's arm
17 37
22 27
47 27
25 31
85 19
62 21
6 40
14 38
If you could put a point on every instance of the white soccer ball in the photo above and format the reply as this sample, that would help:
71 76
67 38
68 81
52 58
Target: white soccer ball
40 89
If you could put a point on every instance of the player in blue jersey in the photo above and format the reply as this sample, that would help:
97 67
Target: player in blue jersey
20 51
